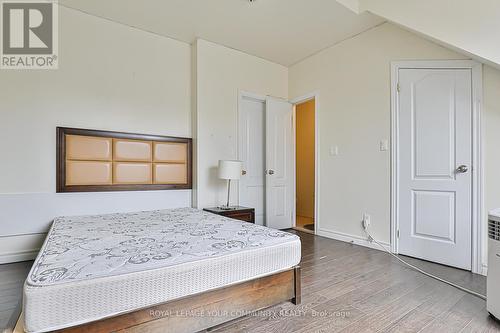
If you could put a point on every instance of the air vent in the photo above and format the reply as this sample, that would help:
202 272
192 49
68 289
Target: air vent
494 230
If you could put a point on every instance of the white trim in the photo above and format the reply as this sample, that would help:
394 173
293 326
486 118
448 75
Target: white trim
394 148
295 101
353 239
479 261
294 139
484 270
478 258
242 94
314 95
8 258
304 98
20 247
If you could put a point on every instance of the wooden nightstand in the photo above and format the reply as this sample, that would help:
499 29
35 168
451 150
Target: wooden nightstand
240 213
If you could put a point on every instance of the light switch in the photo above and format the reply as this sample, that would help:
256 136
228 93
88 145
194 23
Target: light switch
334 150
384 145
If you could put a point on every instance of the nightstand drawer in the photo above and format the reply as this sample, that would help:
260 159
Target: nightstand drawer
238 213
241 216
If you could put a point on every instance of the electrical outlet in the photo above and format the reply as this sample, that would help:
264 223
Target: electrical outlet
366 220
334 150
384 145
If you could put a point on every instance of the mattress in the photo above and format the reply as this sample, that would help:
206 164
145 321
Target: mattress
98 266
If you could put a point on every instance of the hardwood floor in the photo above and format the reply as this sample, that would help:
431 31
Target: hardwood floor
302 221
349 288
12 277
345 288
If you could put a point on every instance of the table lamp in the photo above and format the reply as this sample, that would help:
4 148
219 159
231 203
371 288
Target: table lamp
229 170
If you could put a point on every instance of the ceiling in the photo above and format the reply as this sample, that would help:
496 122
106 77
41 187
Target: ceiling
282 31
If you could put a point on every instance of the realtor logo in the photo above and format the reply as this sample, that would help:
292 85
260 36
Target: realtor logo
29 35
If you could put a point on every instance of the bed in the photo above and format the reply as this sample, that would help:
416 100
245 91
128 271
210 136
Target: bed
163 270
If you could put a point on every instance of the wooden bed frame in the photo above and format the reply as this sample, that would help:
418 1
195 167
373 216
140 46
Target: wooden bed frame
192 313
201 311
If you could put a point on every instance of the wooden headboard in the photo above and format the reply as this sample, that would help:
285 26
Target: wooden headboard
93 161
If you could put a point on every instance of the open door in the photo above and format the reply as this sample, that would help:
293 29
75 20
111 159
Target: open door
279 163
252 152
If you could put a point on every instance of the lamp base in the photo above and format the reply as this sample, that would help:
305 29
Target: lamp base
226 207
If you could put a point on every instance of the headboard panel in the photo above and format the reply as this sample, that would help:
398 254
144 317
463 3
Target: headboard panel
93 161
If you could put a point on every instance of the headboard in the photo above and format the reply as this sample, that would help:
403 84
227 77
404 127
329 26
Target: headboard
93 161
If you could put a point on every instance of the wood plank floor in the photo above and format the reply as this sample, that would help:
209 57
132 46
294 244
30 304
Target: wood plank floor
12 277
345 288
349 288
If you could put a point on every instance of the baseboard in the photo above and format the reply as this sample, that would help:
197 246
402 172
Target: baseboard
19 256
20 247
484 270
353 239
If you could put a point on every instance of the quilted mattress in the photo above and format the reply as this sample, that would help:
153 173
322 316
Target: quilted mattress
99 266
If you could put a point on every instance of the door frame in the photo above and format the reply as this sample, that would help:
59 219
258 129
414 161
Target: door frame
479 265
295 101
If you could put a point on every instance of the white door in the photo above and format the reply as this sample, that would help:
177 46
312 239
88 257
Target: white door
279 163
252 147
434 158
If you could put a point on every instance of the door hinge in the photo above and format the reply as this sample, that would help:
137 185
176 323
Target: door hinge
397 234
398 88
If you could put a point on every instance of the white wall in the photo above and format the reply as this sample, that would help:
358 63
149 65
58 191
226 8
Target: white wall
113 77
110 77
491 132
221 73
353 81
116 78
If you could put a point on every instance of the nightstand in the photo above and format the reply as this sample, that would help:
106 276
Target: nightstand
239 213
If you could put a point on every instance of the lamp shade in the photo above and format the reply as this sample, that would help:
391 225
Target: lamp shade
230 169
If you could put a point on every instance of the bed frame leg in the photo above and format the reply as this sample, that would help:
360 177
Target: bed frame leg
297 299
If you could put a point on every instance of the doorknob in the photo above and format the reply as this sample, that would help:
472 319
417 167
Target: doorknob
271 172
462 169
243 172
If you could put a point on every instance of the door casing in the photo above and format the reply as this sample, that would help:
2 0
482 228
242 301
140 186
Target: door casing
478 257
295 101
261 98
314 95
